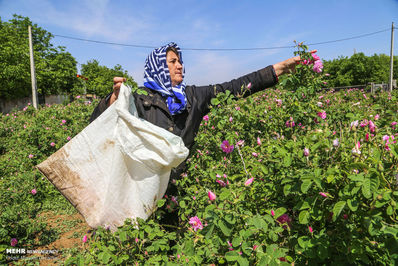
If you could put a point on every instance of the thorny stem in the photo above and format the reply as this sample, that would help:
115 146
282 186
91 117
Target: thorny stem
171 226
244 165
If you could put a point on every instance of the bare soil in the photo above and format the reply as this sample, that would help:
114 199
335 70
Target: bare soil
71 230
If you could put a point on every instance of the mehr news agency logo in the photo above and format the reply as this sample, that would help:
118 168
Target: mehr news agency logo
23 251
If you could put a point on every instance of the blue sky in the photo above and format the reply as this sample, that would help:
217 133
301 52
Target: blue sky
210 24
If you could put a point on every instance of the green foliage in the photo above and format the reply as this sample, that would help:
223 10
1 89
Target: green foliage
334 203
306 80
359 69
55 68
100 78
25 141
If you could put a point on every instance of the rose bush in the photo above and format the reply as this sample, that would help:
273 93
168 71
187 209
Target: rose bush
291 174
28 137
274 180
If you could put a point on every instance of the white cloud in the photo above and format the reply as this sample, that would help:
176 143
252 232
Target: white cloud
88 19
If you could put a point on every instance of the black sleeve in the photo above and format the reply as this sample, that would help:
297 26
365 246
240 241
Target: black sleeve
101 107
260 80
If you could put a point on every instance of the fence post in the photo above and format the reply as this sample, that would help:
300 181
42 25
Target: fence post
32 69
391 55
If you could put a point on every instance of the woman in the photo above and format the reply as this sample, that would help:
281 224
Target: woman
172 105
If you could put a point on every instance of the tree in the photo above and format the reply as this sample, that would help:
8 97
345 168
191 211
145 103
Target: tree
55 68
359 69
99 78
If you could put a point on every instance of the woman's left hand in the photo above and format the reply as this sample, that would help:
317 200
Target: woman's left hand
288 65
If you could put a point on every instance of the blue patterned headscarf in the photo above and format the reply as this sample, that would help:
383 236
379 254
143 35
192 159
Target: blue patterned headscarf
157 78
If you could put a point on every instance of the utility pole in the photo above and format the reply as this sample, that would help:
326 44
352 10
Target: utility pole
32 69
391 55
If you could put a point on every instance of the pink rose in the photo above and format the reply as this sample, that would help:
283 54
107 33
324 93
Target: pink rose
14 242
318 66
322 114
195 223
323 194
222 183
211 195
284 219
315 56
249 181
226 147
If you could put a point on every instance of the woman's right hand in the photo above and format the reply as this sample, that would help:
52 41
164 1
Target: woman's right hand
117 83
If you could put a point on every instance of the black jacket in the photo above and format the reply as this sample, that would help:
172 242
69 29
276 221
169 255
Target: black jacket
153 108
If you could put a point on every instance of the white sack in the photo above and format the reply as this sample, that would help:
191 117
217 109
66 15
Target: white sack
117 167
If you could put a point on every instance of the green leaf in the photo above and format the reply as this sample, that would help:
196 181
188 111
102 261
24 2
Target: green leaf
224 227
232 256
304 217
374 183
243 261
161 202
317 172
355 190
236 242
215 101
226 194
356 178
258 222
394 151
105 257
189 248
286 189
123 236
182 204
287 161
208 230
210 208
389 210
306 185
303 205
390 230
303 241
330 178
230 218
338 207
366 190
352 204
264 169
279 212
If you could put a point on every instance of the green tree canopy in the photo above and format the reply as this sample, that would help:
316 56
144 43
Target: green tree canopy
99 78
55 68
359 69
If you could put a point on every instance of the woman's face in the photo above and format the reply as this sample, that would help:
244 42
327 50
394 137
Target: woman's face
175 68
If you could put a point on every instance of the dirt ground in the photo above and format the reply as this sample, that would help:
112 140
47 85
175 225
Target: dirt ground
71 228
